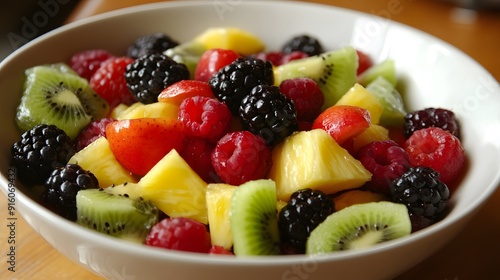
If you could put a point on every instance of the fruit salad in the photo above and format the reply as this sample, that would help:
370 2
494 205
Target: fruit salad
219 145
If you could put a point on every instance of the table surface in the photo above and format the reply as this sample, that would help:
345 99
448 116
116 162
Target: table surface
473 254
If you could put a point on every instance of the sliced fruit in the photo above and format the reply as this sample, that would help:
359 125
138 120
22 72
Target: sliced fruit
343 122
119 109
373 133
116 215
361 97
153 110
173 187
360 226
211 61
138 144
386 69
98 158
324 166
352 197
334 71
230 38
254 220
364 62
181 90
55 94
391 100
219 198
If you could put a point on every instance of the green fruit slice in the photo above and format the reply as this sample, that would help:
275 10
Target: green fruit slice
386 69
116 215
360 226
254 219
334 71
392 101
188 53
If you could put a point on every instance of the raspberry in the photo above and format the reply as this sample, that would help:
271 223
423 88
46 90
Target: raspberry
304 43
180 234
63 185
91 132
293 56
205 117
425 196
386 160
148 75
268 113
305 210
149 44
237 79
39 151
219 250
306 95
241 156
431 117
364 62
439 149
109 81
85 63
278 57
197 152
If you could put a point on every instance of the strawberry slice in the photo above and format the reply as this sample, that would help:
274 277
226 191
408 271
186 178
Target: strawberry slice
211 61
177 92
138 144
364 62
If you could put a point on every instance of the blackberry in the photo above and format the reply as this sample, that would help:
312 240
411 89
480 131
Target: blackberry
423 193
39 151
63 185
431 117
233 82
150 44
305 210
303 43
268 113
148 75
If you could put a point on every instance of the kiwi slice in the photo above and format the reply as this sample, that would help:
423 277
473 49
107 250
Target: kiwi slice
360 226
386 69
116 215
390 98
254 219
55 94
334 71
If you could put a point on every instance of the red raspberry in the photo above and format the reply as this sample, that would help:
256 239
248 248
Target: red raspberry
306 95
219 250
439 149
386 160
205 117
293 56
241 156
180 234
109 81
91 132
275 57
85 63
197 153
364 62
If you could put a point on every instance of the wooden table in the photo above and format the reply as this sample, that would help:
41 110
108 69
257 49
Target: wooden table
473 254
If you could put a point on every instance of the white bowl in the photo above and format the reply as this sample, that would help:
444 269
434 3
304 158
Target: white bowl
433 73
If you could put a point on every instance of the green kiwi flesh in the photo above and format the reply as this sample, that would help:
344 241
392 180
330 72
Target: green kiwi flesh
334 72
55 94
360 226
254 219
392 101
116 215
386 69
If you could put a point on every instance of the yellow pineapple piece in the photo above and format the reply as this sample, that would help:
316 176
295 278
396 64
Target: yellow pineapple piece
239 40
312 159
373 133
280 204
218 209
359 96
153 110
118 110
352 197
98 158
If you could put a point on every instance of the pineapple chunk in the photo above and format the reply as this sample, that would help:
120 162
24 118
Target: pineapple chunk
352 197
118 110
373 133
359 96
236 39
98 158
218 209
312 159
153 110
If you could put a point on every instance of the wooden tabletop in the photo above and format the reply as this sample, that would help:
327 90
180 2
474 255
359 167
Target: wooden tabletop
473 254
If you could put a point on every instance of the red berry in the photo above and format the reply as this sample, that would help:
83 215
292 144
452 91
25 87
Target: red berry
439 149
180 234
386 160
197 153
211 61
109 81
275 57
306 95
293 56
91 132
205 117
219 250
241 156
364 62
85 63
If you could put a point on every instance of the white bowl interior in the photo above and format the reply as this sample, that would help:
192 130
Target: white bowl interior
432 72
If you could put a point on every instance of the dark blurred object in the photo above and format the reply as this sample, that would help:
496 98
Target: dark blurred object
477 4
